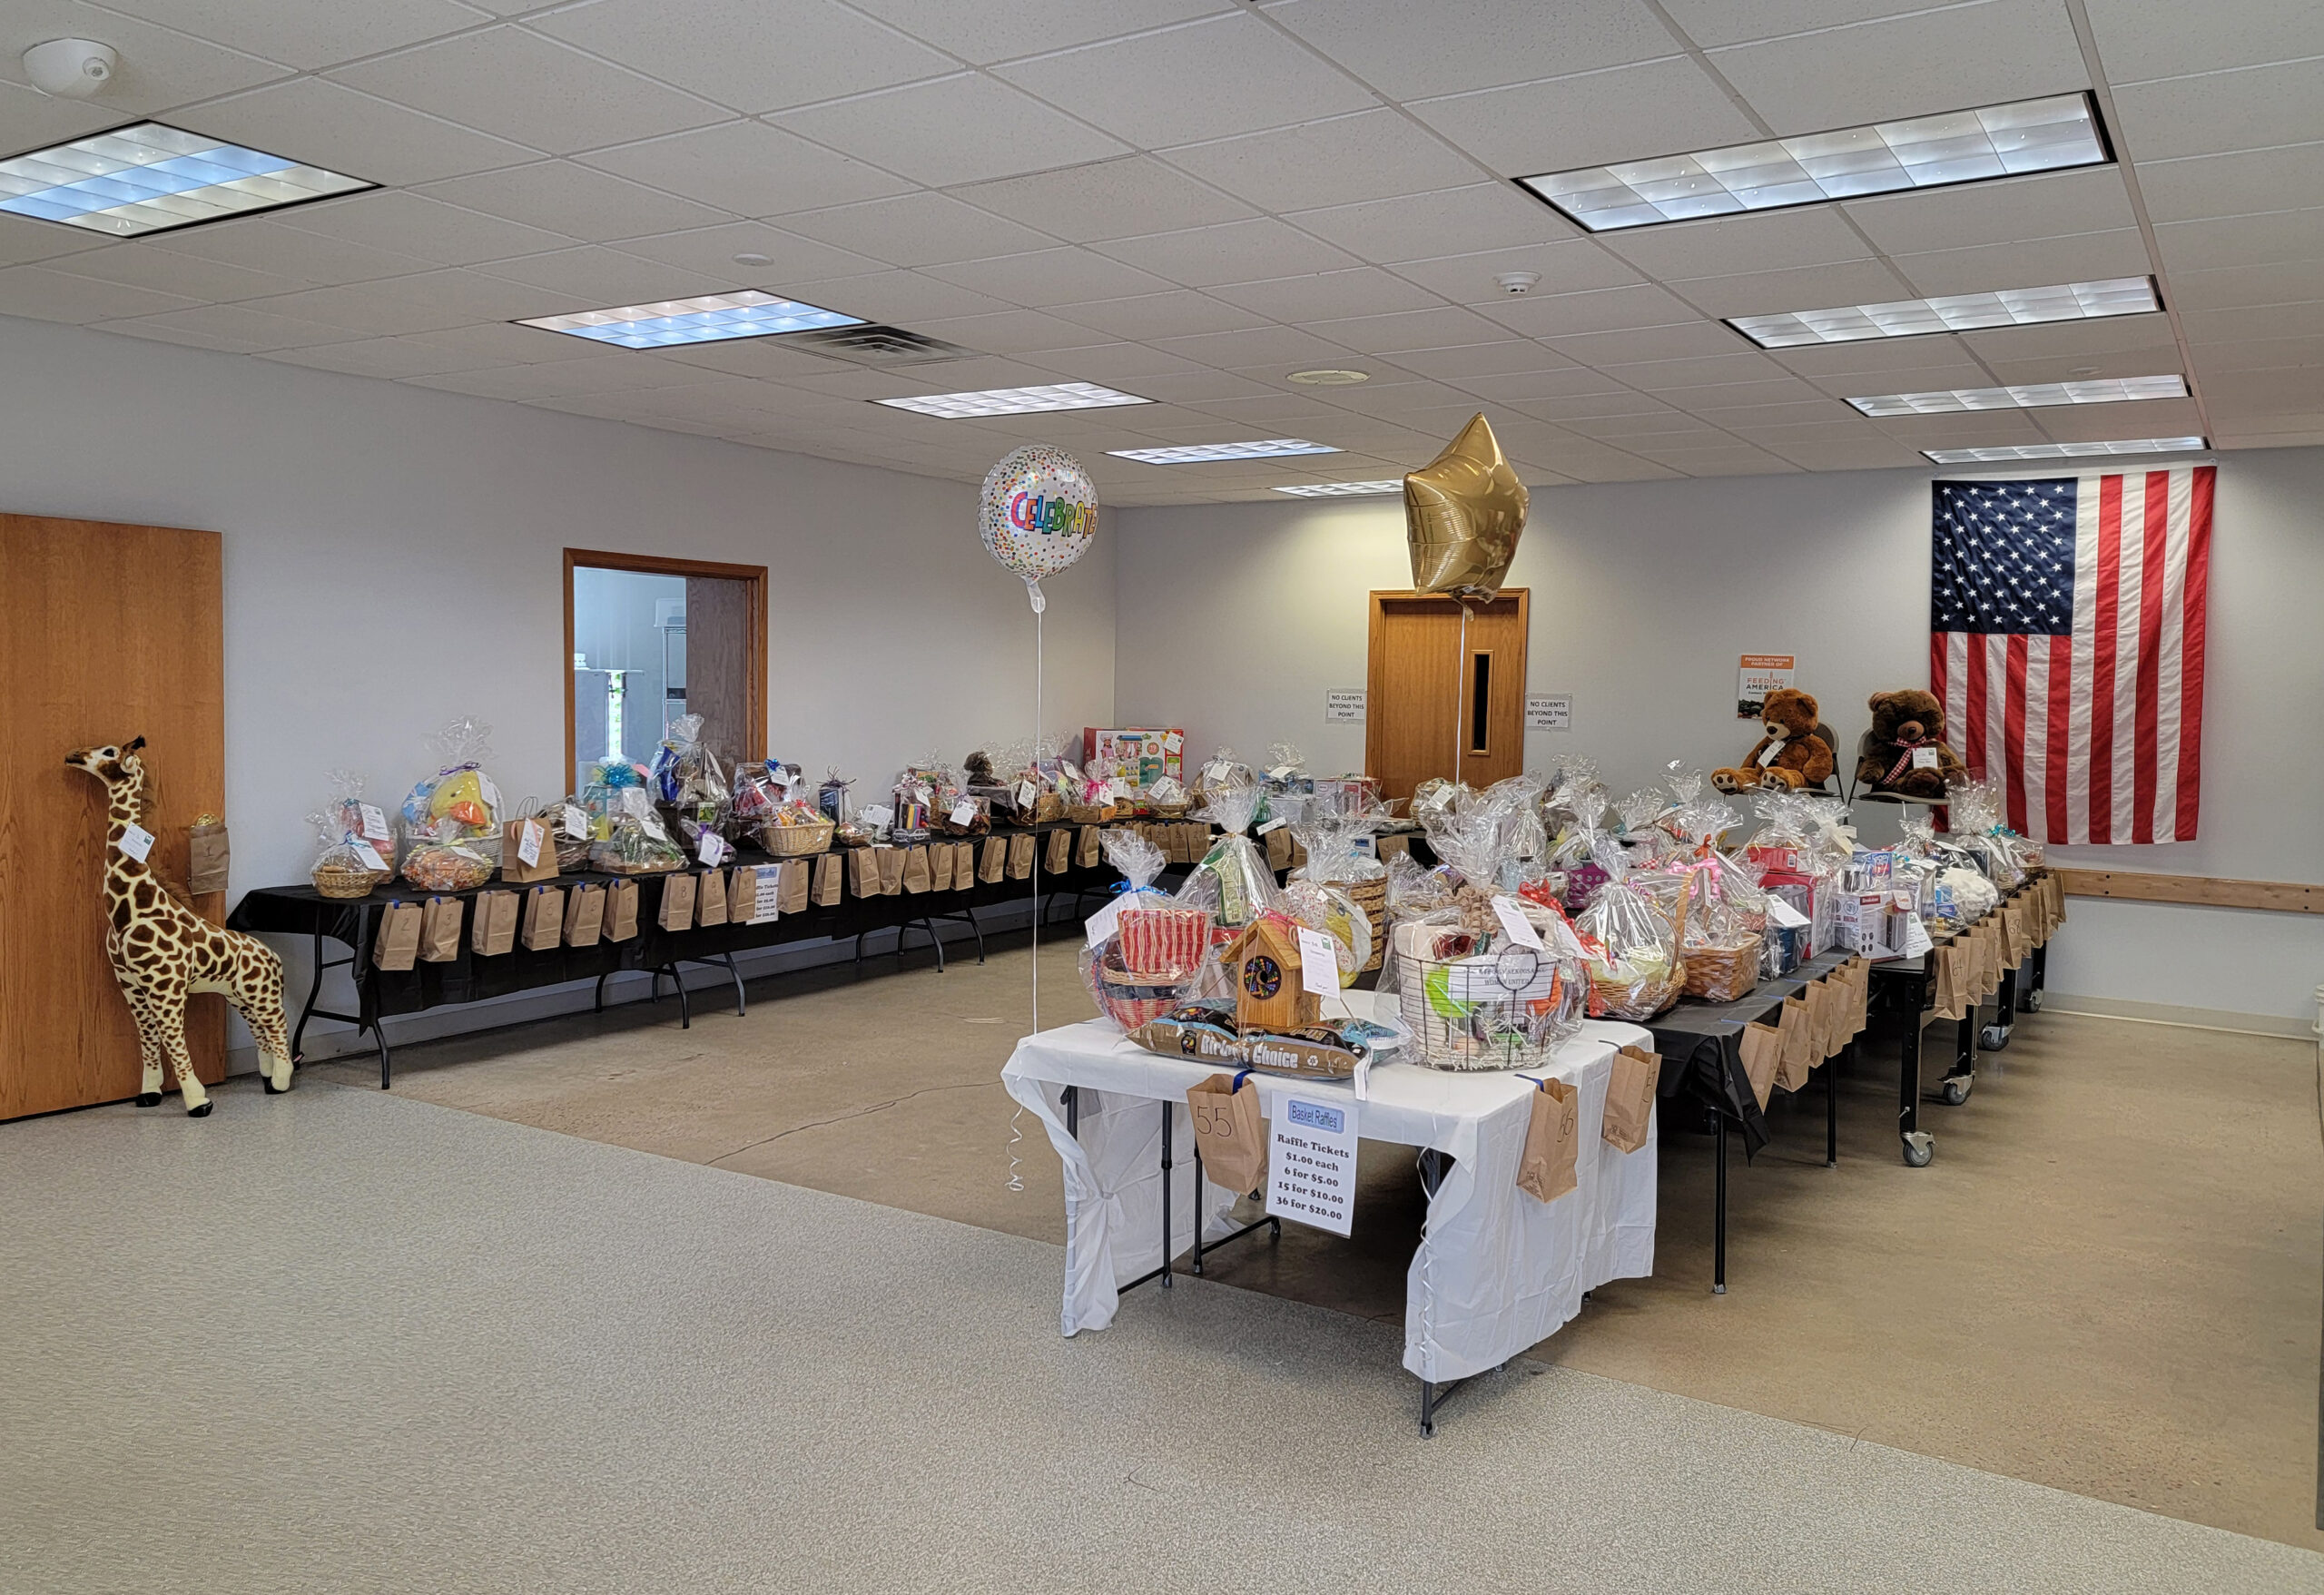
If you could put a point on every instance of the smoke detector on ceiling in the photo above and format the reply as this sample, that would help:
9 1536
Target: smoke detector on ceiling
71 69
1517 282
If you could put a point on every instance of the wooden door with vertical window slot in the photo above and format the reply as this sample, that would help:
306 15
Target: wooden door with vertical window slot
1436 706
106 632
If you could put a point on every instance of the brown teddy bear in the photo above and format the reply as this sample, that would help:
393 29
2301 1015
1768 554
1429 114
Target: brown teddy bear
1905 750
1790 754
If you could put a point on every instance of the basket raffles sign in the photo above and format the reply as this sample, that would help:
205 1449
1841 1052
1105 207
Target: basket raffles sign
1311 1162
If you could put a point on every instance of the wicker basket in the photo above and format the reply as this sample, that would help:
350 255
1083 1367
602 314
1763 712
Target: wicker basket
1089 815
1130 1000
333 881
1372 897
796 841
1723 974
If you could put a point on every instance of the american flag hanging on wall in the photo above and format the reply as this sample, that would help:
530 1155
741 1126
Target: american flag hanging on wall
2066 644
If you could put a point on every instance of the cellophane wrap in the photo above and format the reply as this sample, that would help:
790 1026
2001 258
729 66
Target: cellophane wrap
1725 911
1232 884
1328 908
1484 1000
339 827
451 819
1637 820
1630 942
571 851
637 841
1974 815
1155 956
691 784
1491 841
759 790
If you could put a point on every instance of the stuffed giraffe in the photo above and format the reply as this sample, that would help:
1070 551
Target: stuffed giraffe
163 953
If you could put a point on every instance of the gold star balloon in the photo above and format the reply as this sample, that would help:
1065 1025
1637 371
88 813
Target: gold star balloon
1463 513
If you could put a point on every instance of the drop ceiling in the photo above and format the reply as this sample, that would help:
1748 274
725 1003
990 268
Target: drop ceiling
1189 199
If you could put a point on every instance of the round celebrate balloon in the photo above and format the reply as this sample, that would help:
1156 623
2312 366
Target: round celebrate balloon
1041 514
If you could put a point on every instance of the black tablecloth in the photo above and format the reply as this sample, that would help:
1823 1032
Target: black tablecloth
1701 1044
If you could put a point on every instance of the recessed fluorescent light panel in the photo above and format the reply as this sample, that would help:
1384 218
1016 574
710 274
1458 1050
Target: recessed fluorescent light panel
1198 453
2032 396
2065 450
1920 151
149 178
1014 401
1957 312
1343 490
707 319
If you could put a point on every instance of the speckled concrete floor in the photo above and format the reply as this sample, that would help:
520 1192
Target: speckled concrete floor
348 1342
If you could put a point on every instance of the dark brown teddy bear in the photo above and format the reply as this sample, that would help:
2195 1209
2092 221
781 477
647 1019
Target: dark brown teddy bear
1905 750
1790 754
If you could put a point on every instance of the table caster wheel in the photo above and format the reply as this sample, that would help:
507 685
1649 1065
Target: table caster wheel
1919 1147
1957 1089
1994 1037
2031 1002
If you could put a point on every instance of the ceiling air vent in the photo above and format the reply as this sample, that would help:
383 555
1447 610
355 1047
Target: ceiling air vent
877 346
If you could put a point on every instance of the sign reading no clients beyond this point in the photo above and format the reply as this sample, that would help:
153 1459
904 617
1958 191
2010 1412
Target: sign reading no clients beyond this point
1311 1162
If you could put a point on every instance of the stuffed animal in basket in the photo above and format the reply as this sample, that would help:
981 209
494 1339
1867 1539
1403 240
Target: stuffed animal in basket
1789 755
1905 750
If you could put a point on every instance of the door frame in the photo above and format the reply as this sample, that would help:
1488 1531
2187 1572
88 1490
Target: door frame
754 580
1375 658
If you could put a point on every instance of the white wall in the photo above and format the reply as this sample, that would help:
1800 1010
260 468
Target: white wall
443 519
1234 619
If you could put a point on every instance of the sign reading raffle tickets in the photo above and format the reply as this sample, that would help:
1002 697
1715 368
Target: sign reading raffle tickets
1311 1162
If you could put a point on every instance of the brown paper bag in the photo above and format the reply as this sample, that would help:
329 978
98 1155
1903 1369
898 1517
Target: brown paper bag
398 945
994 860
1229 1134
862 872
1825 1000
891 861
964 865
440 931
585 916
1298 853
1552 1137
1059 857
513 867
1762 1050
1796 1031
492 928
1630 1099
1021 857
1945 981
710 898
939 866
918 874
620 911
797 884
1086 853
677 902
831 879
1857 976
544 918
1279 848
206 859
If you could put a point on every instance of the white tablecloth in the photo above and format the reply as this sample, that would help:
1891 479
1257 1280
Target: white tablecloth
1497 1271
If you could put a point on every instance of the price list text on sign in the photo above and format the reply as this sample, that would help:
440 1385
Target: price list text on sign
1311 1162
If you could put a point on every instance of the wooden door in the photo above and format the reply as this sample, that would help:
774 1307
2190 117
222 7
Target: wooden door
106 632
1438 706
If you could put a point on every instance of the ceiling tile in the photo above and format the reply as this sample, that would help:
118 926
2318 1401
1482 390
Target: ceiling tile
2228 326
2140 39
1848 457
1418 227
2285 284
1810 288
48 295
1718 401
967 128
919 229
360 310
1317 296
1712 23
1107 200
238 327
742 55
1598 309
748 168
711 251
1181 312
1622 113
303 33
414 225
1001 30
2095 423
1564 266
1651 375
1468 361
516 85
1280 348
495 343
1029 333
142 264
2050 205
1723 245
577 202
1441 328
1057 276
30 119
1231 251
604 277
371 357
1930 379
770 359
1340 159
2241 241
906 297
2232 185
264 244
2032 365
481 298
2068 340
1117 365
2087 257
2210 114
23 240
1550 394
1452 46
328 124
1199 80
564 378
160 68
1871 359
1947 59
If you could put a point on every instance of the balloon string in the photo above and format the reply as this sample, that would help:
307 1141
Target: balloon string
1037 852
1460 690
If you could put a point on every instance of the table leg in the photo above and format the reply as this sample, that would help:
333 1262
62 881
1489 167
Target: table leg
1719 1211
2036 976
1832 1108
1994 1037
314 989
1167 1117
1071 1098
1919 1146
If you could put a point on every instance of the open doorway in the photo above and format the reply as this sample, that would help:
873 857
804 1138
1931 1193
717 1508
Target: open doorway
649 639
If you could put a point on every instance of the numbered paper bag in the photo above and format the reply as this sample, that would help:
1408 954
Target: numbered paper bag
1630 1099
620 911
1058 859
797 880
919 874
862 872
1229 1134
1552 1137
1797 1032
710 898
585 916
398 942
831 879
1085 852
994 860
891 861
492 929
677 902
964 865
1762 1051
939 867
544 918
440 931
1020 856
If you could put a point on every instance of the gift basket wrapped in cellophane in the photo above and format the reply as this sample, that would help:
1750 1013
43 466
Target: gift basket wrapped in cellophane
451 819
1333 911
1232 884
1157 953
1630 942
1724 916
1974 811
632 837
351 860
1337 855
690 782
566 822
1489 1000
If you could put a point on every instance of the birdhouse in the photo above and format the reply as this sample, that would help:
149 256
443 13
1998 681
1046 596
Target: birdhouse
1269 993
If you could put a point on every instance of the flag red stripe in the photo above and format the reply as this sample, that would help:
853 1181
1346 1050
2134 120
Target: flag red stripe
2150 658
2103 621
1973 735
1936 647
2191 652
2013 762
2060 743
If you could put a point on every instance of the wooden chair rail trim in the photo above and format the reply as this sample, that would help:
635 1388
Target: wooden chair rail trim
2288 897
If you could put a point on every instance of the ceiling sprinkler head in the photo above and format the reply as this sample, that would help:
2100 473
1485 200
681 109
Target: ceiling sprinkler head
1516 283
